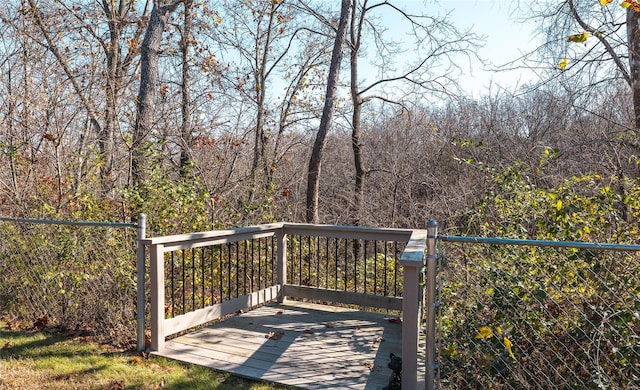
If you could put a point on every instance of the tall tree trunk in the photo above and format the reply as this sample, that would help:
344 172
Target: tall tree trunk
106 136
633 37
149 57
356 127
117 15
633 40
356 144
186 133
112 52
315 162
260 79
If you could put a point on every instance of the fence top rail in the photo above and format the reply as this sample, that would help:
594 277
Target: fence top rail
75 223
546 243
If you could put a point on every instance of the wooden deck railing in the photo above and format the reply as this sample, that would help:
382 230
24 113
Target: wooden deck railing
200 277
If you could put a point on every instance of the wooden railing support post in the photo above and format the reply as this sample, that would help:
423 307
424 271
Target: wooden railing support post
157 296
412 262
281 238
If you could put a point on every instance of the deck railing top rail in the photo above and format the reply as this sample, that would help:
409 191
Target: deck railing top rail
236 234
191 240
337 231
416 248
352 232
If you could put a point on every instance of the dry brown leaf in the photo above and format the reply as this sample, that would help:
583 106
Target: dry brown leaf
308 331
41 322
136 361
395 320
119 385
279 313
329 324
274 335
64 377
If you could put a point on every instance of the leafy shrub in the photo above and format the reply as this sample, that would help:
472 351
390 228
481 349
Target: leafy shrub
540 317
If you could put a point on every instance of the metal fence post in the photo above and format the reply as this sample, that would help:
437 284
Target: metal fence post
430 323
141 271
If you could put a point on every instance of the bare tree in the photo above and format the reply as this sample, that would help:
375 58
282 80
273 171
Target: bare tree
436 41
261 37
120 50
298 106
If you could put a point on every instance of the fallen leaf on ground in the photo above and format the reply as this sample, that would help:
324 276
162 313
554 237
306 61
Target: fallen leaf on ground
274 335
308 331
395 320
136 360
64 377
279 313
329 324
41 322
119 385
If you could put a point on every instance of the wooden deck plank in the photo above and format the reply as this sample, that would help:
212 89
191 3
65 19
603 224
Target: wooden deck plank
321 347
288 364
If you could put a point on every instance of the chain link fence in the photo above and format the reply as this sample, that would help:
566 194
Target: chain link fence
533 316
73 276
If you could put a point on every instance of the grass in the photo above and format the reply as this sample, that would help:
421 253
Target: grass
42 360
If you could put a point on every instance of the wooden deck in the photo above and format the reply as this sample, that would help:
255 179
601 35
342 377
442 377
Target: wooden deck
299 344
